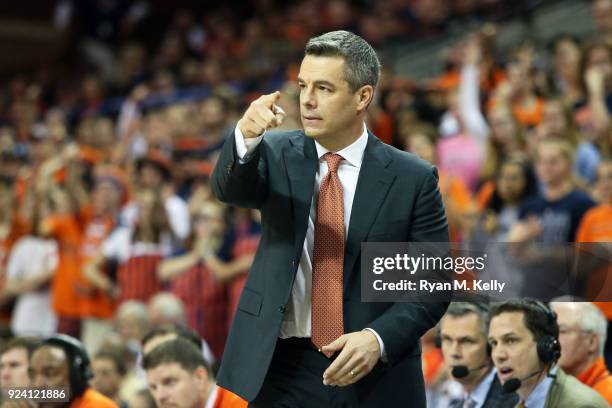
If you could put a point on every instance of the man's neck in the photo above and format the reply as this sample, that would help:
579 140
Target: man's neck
339 142
527 388
582 367
558 190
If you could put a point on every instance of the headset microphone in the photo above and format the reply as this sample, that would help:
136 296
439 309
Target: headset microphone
461 371
514 384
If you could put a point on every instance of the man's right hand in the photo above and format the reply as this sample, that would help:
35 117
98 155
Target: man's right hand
262 114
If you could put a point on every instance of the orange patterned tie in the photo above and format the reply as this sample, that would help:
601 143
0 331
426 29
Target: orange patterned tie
328 259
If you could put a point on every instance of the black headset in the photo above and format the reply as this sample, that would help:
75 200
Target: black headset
548 347
78 362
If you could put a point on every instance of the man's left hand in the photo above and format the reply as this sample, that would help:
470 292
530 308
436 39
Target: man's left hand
360 353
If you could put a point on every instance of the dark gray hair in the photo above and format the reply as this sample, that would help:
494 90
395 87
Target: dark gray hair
459 309
362 66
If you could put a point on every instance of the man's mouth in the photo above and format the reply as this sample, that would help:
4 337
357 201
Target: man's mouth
505 373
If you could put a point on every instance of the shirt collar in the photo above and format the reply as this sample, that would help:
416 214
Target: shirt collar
537 398
595 373
479 395
210 402
352 153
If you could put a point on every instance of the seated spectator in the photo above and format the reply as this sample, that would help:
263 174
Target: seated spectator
178 376
582 335
109 370
14 362
421 140
142 399
596 226
137 250
553 215
132 323
195 277
62 362
463 339
164 333
523 335
154 173
31 266
165 308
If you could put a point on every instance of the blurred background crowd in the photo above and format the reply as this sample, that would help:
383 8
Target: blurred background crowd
112 113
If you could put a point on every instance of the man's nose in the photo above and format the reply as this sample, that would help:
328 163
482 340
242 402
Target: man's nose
308 98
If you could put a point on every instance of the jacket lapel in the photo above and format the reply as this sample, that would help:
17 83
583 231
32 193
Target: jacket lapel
301 164
372 188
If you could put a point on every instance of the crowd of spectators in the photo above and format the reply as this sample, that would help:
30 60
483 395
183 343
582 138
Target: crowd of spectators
108 228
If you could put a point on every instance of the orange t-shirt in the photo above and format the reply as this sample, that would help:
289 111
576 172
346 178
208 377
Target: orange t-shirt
94 302
531 116
227 399
598 378
457 199
433 363
93 399
67 232
596 226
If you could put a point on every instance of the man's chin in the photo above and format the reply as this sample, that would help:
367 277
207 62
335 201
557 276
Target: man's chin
312 133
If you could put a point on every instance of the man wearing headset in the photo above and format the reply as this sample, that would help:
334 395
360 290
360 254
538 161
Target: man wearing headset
524 340
61 362
463 339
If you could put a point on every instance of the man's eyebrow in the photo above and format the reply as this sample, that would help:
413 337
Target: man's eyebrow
320 82
502 336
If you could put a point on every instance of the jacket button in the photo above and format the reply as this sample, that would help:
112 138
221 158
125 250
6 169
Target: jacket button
282 309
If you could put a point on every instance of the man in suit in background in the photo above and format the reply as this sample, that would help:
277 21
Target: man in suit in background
301 336
463 339
524 339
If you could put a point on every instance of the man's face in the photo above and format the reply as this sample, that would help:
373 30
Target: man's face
328 107
576 345
604 182
551 166
602 14
14 368
464 343
514 349
106 379
49 368
174 387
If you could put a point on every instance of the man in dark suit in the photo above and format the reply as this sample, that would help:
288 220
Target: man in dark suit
463 339
301 336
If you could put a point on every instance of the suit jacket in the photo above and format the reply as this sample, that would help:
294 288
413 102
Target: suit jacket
397 199
567 392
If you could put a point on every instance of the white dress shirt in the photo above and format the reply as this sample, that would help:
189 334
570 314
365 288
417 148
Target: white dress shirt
479 395
297 318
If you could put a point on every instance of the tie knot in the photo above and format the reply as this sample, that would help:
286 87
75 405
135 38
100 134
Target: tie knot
333 161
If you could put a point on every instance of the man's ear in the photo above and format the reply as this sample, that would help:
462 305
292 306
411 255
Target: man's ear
593 343
202 375
365 94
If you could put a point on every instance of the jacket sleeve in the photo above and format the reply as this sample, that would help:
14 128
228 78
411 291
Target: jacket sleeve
241 184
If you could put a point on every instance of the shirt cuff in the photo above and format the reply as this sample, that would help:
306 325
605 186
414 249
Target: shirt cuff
383 353
245 147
